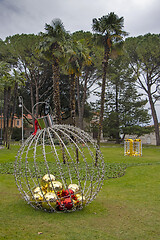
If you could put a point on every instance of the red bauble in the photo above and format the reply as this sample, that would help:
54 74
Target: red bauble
65 193
67 203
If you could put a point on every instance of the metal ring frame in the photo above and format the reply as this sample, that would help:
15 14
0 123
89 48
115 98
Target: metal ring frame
69 154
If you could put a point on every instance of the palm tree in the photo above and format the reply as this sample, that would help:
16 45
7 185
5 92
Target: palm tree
52 47
109 30
77 57
72 68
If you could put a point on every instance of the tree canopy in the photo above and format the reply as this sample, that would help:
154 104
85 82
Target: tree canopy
64 68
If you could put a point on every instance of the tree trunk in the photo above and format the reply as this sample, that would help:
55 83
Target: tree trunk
56 95
105 64
37 100
4 114
117 116
72 99
81 104
73 107
7 114
14 103
7 93
80 118
32 104
155 119
13 111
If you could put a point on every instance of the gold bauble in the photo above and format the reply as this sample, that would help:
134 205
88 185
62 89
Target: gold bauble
40 190
51 199
80 198
74 187
50 196
75 202
57 186
47 206
37 197
37 190
46 179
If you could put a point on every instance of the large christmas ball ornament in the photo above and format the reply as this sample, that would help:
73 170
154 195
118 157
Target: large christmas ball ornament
59 168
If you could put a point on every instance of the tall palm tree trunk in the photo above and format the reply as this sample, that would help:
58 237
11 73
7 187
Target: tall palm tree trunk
81 103
72 99
56 100
56 95
80 117
73 107
105 64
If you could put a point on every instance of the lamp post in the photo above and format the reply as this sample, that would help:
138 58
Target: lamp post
21 105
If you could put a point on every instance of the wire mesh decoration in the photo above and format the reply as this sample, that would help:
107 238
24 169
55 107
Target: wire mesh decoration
133 147
59 169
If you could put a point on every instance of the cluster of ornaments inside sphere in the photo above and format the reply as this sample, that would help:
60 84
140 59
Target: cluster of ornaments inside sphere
59 168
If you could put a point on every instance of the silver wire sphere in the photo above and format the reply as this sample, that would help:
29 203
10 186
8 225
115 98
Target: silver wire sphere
59 169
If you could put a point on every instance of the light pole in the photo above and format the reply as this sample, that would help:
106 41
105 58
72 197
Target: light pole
21 105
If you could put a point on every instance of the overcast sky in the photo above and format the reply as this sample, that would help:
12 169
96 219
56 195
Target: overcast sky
30 16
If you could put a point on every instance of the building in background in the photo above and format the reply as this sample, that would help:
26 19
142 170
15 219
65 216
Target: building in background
149 139
17 122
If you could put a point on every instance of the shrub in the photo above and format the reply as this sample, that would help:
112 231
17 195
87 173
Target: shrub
16 134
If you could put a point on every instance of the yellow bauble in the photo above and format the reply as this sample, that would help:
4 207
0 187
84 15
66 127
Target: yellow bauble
37 197
55 185
46 179
74 187
75 202
47 205
37 190
51 199
50 196
80 198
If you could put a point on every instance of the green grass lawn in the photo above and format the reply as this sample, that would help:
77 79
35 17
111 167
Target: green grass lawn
126 208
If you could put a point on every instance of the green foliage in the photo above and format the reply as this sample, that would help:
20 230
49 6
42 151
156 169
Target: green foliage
137 130
78 53
143 53
31 63
8 78
109 24
124 109
111 170
53 40
108 27
16 134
